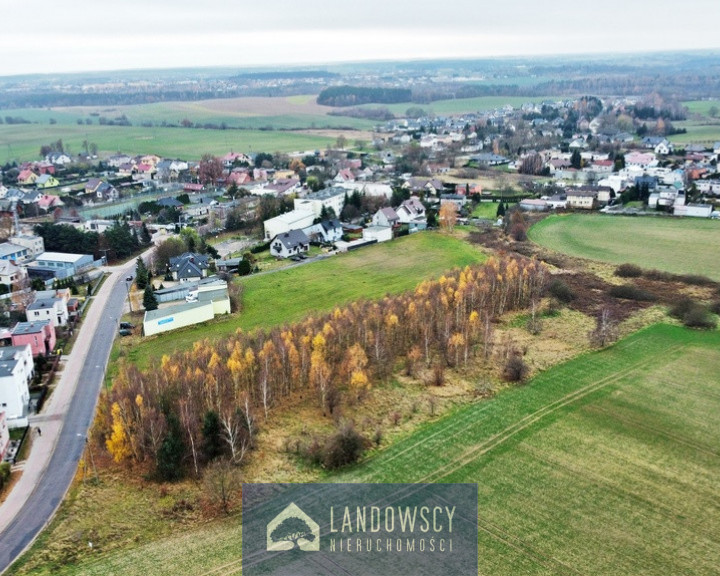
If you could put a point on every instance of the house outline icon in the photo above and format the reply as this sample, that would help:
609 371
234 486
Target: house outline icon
307 545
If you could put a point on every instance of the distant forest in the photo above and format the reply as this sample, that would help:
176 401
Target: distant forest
356 95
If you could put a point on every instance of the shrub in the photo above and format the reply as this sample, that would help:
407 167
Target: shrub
693 314
344 447
628 271
696 280
682 307
715 307
515 369
561 291
659 275
630 292
700 317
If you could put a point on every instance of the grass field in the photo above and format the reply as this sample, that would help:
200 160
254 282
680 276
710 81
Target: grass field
698 132
681 246
607 464
22 142
289 295
701 106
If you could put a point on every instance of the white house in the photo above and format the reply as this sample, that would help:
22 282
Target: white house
411 210
386 217
16 373
53 309
328 231
289 244
10 273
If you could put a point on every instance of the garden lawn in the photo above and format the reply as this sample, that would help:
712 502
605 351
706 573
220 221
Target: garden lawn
290 294
680 246
607 464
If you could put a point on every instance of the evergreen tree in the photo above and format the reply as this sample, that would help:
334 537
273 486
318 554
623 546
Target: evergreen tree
172 449
145 236
141 274
212 436
149 300
500 210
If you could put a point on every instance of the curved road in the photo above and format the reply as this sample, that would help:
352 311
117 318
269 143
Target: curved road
67 421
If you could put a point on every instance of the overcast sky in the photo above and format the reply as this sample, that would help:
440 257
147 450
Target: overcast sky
81 35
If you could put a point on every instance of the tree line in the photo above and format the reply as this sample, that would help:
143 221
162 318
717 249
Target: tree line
208 402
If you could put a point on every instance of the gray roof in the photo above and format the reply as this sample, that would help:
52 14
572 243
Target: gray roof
29 327
151 315
8 248
213 295
43 303
292 238
330 224
189 265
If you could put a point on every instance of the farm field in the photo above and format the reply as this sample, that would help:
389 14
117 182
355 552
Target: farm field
607 464
289 295
698 132
670 244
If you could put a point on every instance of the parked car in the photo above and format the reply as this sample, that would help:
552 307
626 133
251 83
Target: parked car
125 332
127 325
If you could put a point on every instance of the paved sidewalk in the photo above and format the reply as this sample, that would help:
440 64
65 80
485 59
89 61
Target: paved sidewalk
50 420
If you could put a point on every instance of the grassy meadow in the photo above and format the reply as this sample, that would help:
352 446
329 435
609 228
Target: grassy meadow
604 465
607 464
680 246
290 294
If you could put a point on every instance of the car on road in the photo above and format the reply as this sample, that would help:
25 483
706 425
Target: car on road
129 279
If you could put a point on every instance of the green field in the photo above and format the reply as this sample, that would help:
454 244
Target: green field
289 295
23 142
701 106
681 246
698 132
607 464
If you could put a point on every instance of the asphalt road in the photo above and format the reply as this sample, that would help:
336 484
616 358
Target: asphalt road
58 475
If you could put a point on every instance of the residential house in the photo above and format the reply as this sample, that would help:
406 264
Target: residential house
34 244
189 267
16 373
39 335
556 201
53 309
289 244
48 202
640 159
47 181
10 273
27 177
327 231
58 158
100 190
458 199
581 199
386 217
344 175
13 252
412 213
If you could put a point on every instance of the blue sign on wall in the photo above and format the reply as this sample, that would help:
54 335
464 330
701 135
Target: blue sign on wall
166 320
